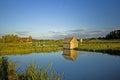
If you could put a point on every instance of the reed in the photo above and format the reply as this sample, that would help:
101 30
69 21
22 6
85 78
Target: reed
8 71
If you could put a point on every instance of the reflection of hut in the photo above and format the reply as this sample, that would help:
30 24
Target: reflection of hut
70 43
70 54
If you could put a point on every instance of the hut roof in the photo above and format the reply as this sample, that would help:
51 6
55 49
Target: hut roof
68 39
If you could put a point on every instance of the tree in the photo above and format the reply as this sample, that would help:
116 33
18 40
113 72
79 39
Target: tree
30 38
10 38
113 35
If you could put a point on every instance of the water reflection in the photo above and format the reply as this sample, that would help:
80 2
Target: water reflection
70 54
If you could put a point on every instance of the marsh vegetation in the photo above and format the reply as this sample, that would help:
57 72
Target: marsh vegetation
12 44
97 45
8 70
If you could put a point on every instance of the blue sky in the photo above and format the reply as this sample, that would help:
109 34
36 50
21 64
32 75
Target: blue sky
55 19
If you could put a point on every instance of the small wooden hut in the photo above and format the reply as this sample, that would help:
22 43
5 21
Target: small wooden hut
70 43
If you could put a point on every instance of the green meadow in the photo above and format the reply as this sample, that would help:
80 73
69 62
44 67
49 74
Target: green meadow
6 49
105 46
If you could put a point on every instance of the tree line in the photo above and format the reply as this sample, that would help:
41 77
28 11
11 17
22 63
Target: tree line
11 38
113 35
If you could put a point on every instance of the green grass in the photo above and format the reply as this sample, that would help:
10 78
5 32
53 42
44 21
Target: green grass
8 71
26 47
107 47
8 48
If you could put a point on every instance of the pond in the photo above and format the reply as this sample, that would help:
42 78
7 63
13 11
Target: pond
76 65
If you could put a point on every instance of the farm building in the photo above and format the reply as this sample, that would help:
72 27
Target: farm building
70 54
70 43
27 41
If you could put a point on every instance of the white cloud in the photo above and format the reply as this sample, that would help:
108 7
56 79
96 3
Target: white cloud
80 33
22 33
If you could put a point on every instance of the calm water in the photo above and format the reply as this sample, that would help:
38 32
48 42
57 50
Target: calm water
76 65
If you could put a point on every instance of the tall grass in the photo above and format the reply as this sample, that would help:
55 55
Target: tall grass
37 73
8 71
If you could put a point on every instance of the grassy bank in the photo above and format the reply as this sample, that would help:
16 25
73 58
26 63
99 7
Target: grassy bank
9 46
8 71
106 47
26 50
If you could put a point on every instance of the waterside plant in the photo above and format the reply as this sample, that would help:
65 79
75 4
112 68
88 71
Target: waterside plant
8 71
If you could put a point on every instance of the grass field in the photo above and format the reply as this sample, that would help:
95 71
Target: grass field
106 46
27 50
